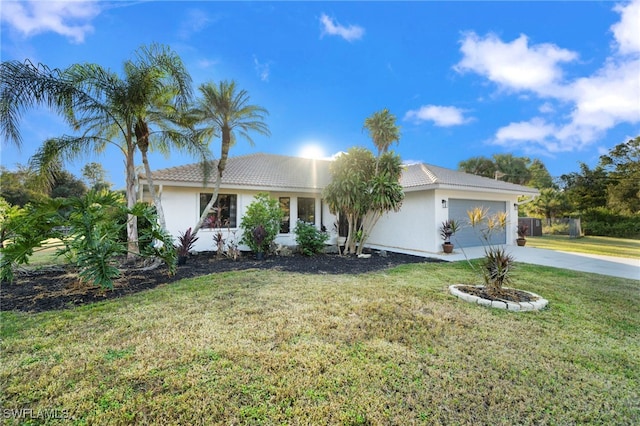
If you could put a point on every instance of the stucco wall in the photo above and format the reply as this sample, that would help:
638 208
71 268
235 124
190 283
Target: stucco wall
414 229
181 209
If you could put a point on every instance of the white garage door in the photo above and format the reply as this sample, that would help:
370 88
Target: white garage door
468 236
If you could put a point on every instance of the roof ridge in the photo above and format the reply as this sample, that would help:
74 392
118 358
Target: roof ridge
432 176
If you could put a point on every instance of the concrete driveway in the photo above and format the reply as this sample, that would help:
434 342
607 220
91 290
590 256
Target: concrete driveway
605 265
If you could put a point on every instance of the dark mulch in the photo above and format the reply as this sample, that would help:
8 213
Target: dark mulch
502 295
59 288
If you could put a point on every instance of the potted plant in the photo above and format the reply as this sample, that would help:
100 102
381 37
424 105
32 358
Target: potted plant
259 234
186 241
447 229
522 230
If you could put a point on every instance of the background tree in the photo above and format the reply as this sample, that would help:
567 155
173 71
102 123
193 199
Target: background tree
20 187
550 204
513 169
623 166
66 185
224 110
481 166
96 176
539 176
587 188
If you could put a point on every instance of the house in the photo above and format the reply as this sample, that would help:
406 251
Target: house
432 195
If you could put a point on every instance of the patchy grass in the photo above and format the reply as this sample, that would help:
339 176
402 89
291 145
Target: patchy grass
607 246
266 347
46 255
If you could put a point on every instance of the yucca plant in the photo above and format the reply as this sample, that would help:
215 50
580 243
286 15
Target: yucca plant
497 267
498 264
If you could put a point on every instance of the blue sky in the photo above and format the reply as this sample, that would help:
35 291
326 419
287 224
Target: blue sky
559 81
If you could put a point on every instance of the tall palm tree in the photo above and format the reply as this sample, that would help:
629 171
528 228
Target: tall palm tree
225 110
159 93
382 129
107 109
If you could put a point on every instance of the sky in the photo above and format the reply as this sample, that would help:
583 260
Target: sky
558 81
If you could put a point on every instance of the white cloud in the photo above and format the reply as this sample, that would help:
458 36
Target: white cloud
207 63
195 21
261 69
626 31
546 108
331 27
593 103
442 116
514 65
535 131
71 19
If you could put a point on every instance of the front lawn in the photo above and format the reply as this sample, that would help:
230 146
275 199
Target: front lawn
393 347
607 246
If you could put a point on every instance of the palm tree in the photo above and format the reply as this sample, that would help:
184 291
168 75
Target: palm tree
160 89
109 110
224 110
382 129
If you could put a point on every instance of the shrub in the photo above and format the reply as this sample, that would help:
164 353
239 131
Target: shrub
186 241
310 240
90 241
263 211
556 229
604 222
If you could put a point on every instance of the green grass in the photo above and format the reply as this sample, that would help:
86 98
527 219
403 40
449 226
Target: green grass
606 246
266 347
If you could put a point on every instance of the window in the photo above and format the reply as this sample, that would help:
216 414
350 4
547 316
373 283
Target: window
223 213
307 210
285 206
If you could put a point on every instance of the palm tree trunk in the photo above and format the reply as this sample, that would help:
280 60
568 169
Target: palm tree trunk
142 140
133 249
152 191
226 144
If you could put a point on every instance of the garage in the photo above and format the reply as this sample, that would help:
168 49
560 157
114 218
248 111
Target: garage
468 236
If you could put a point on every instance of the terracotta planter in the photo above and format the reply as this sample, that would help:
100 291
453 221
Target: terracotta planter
521 242
447 248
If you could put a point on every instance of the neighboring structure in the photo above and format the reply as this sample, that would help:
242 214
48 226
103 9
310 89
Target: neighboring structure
432 195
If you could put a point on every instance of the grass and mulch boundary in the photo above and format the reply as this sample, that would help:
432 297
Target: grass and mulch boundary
278 347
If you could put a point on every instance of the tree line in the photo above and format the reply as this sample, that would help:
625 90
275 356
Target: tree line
606 197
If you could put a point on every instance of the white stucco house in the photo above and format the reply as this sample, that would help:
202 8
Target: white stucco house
432 195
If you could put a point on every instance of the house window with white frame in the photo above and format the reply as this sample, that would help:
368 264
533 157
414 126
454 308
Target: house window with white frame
223 214
285 206
307 210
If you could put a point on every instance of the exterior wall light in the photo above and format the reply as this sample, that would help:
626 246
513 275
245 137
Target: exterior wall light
444 204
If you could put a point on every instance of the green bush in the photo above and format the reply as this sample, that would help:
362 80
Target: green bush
263 211
556 229
90 241
310 240
603 222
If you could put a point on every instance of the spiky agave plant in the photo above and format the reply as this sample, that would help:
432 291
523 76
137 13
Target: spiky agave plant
498 264
497 268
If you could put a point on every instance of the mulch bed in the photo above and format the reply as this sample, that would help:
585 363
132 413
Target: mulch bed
56 288
504 294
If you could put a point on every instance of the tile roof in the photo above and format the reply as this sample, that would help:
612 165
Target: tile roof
423 176
255 170
283 172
